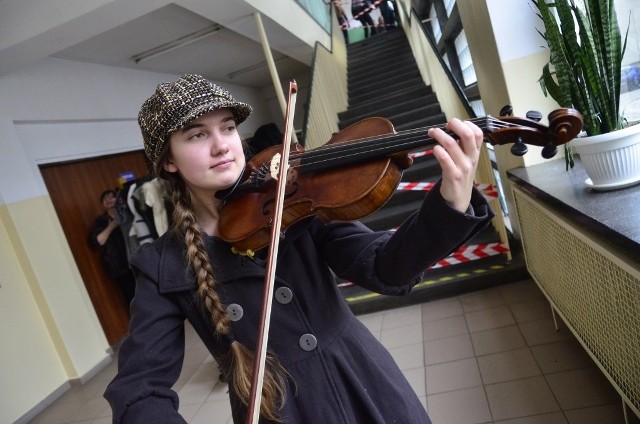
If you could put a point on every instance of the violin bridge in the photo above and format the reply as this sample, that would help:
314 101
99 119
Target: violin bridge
275 166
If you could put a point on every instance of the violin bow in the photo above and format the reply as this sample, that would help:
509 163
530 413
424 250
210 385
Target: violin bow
255 400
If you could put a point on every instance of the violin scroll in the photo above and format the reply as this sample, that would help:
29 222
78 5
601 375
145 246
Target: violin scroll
564 125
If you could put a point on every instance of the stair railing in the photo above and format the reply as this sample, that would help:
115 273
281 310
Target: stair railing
451 97
328 89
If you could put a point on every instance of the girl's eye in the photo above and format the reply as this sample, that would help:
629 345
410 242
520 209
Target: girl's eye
196 136
230 128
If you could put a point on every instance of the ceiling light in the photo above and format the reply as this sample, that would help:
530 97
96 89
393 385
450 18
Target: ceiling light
175 44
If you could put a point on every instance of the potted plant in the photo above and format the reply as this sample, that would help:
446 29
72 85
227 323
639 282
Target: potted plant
584 72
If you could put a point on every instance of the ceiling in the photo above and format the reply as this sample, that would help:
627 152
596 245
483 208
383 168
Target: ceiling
225 50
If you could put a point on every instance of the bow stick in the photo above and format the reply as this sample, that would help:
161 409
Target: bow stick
261 347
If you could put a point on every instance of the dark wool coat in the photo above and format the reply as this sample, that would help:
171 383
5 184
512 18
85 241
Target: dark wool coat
342 373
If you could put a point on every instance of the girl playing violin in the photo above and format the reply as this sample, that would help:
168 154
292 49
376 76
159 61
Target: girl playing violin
323 365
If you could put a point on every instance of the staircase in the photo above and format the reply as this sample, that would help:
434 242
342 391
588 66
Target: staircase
384 80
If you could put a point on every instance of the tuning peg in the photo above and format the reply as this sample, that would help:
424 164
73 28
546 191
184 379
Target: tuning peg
549 150
519 148
506 110
534 115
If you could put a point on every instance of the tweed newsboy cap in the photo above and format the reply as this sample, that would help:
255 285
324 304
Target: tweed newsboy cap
174 104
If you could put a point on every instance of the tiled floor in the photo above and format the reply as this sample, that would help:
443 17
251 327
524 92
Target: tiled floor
491 356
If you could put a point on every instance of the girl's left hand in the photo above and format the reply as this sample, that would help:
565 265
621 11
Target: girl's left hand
458 160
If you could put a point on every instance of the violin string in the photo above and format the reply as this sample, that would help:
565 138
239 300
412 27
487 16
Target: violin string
367 142
414 138
371 145
366 146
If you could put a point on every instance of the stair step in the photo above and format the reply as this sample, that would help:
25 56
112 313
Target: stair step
383 54
400 112
366 108
429 113
364 95
425 168
384 80
387 76
360 58
377 86
443 282
372 42
425 111
402 203
446 281
380 65
404 198
369 45
388 47
431 121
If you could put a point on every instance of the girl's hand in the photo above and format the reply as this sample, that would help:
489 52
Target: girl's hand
458 160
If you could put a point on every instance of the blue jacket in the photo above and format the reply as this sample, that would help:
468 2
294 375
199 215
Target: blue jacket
342 373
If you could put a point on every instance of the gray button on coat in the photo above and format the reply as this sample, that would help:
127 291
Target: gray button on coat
342 373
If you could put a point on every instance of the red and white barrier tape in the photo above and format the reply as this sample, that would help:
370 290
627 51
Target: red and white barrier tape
465 254
488 190
368 9
415 186
472 253
428 152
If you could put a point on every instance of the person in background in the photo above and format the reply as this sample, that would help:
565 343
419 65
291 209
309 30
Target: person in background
360 10
266 136
381 25
106 236
388 13
343 19
323 364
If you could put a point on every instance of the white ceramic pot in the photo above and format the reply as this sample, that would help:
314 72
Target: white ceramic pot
611 160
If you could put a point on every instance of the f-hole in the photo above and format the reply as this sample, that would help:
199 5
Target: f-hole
292 189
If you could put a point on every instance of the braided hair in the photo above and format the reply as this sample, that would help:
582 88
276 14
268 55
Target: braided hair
238 359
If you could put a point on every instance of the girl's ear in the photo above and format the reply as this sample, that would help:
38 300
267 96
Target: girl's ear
169 166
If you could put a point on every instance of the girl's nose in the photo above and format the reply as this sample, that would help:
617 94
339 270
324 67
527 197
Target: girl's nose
219 148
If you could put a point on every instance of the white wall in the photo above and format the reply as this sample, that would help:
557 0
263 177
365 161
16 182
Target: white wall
28 353
54 110
91 109
57 110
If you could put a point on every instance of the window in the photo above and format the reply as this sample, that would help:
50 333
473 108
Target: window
448 5
442 18
464 58
319 11
477 107
435 25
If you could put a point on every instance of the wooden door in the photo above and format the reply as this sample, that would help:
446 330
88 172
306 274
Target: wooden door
75 189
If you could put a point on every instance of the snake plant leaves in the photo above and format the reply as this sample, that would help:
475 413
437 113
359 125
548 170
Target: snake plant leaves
585 59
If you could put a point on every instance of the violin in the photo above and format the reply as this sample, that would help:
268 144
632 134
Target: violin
356 172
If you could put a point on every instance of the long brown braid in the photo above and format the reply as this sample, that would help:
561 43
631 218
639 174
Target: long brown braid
238 358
